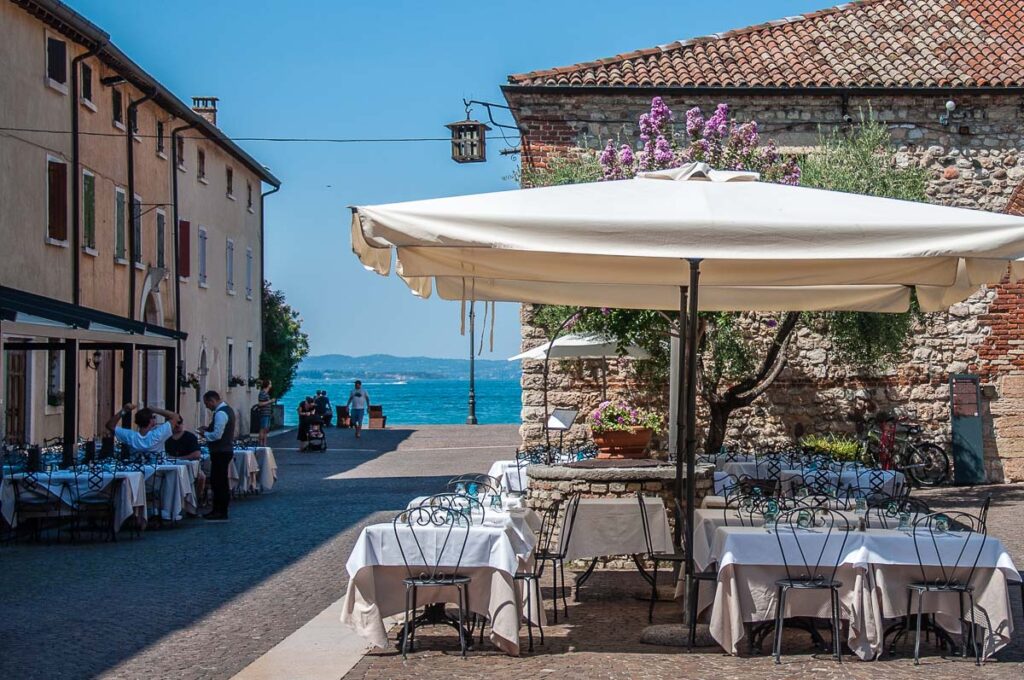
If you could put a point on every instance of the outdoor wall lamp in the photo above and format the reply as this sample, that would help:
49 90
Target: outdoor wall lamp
948 116
469 140
95 360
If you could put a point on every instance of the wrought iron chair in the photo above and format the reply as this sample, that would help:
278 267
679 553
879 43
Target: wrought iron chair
437 568
97 503
475 485
559 520
155 496
35 503
807 571
693 581
956 567
749 510
753 486
677 556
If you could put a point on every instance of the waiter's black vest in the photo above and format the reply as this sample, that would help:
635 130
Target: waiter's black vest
226 443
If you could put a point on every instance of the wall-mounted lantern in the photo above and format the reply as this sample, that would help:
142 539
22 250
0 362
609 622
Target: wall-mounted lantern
469 140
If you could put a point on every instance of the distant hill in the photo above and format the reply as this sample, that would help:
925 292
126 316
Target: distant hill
388 367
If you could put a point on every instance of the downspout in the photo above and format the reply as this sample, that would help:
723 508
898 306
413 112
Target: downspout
76 182
177 223
263 198
132 245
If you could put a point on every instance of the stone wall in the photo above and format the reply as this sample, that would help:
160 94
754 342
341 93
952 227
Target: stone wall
976 162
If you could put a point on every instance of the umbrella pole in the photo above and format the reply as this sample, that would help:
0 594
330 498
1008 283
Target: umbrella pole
547 360
680 423
691 409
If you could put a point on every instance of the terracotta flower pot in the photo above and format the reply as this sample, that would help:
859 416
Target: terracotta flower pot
623 444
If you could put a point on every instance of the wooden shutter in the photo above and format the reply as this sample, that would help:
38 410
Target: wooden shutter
89 210
184 248
57 227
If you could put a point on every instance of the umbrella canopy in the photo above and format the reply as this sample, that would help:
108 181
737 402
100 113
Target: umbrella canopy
581 346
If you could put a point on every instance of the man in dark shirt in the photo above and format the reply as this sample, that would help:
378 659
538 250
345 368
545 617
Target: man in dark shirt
184 445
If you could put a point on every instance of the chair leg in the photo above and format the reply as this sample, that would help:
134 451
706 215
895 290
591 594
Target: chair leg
654 592
917 635
412 633
837 633
463 601
780 612
540 609
565 603
405 625
963 627
692 586
554 591
529 602
974 637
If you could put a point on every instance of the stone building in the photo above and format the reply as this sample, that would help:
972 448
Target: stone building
945 76
120 271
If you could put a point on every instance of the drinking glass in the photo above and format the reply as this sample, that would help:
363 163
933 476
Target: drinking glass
473 489
460 489
904 522
942 523
804 520
496 502
860 506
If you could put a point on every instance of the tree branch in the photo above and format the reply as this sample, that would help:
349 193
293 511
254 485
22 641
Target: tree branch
746 391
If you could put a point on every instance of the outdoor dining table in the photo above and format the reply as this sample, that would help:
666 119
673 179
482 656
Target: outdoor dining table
875 567
66 485
495 551
178 491
607 527
244 471
266 465
511 475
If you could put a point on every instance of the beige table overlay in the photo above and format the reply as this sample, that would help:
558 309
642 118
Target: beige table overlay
613 526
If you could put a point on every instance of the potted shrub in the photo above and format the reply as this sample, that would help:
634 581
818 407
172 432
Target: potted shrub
621 430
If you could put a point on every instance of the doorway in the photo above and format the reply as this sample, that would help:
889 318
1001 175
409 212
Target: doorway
104 390
16 396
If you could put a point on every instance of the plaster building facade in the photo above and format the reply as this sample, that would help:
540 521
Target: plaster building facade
92 316
801 77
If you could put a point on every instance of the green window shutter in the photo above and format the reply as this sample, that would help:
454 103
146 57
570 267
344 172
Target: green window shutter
89 210
160 222
119 217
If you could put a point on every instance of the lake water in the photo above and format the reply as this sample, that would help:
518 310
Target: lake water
418 402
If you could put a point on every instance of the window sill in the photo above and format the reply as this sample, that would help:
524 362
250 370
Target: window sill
135 136
181 168
89 251
53 410
140 266
118 124
120 261
183 279
231 292
56 242
202 180
88 104
231 197
248 296
161 154
204 284
251 211
58 86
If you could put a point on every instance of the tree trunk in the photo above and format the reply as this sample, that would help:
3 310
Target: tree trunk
718 419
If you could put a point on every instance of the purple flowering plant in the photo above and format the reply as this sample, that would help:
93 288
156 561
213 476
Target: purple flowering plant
619 416
719 141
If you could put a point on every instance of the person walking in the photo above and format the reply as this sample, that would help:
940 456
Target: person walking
323 407
306 412
358 403
220 438
266 408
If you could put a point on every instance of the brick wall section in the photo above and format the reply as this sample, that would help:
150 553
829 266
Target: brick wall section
981 169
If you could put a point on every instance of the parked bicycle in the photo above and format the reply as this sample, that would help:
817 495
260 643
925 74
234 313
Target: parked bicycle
895 444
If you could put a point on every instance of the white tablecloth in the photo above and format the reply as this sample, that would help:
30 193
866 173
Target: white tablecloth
244 471
612 526
66 485
875 567
510 475
492 556
178 491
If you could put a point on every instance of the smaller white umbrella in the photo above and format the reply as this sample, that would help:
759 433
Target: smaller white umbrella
581 346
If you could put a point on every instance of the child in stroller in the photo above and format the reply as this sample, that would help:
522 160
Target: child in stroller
315 438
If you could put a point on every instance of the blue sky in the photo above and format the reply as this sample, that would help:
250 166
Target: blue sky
379 68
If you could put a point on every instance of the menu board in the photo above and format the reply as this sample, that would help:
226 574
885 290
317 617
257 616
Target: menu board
965 398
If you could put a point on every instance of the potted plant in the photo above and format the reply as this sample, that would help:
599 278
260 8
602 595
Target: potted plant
621 430
236 381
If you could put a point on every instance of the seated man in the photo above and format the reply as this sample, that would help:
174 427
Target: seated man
151 436
184 445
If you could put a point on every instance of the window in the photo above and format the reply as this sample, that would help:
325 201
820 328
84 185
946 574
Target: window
202 257
180 151
201 165
133 119
56 200
229 267
137 229
85 86
54 378
117 107
184 249
248 195
57 64
229 181
248 273
120 215
161 227
89 211
160 138
231 362
248 367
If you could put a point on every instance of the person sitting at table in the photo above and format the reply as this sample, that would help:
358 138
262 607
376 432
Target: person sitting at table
184 445
151 435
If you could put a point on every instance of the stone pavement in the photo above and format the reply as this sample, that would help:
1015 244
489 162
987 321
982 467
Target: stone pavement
601 638
205 600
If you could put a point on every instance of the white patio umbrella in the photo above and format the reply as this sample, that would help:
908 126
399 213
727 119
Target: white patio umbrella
581 346
663 233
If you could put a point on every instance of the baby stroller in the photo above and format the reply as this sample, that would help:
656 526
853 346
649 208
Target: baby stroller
315 438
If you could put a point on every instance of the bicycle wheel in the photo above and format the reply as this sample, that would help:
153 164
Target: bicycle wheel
927 464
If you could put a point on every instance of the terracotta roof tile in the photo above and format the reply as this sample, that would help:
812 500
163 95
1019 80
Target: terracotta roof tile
867 43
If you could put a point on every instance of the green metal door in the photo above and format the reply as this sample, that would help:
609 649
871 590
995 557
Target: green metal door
968 451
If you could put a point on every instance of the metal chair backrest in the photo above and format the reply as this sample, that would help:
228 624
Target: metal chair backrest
424 534
730 486
474 485
752 486
983 514
769 466
94 478
809 562
821 481
963 536
566 522
749 509
457 504
645 520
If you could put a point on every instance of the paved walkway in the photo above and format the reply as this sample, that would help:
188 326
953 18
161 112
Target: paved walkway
601 638
205 600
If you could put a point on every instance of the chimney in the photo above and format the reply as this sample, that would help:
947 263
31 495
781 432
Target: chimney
206 107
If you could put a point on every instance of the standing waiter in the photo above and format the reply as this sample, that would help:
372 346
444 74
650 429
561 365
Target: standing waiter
220 437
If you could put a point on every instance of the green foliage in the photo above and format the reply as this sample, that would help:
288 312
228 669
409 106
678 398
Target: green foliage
284 343
836 446
575 168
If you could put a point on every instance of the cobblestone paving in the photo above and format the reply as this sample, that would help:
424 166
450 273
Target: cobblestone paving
205 600
601 637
